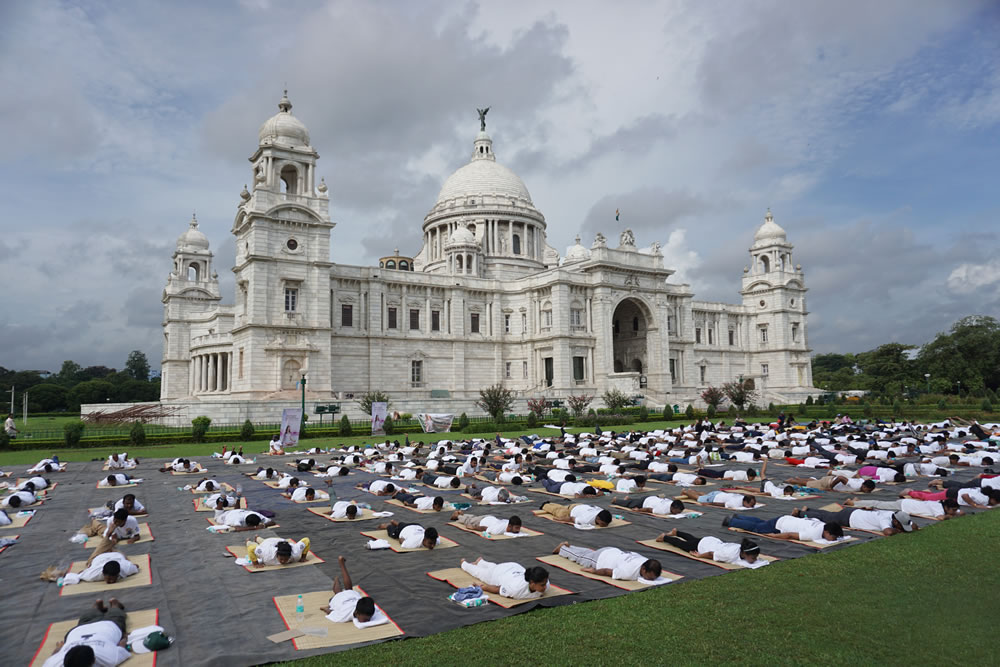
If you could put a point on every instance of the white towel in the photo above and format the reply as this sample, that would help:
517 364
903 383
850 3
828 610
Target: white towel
375 545
381 515
378 619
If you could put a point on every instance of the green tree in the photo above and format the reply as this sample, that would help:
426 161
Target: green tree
463 422
532 420
73 432
247 431
47 397
137 434
689 412
199 427
887 367
496 400
969 353
713 397
137 366
740 393
578 404
388 426
92 391
615 399
345 426
69 374
376 396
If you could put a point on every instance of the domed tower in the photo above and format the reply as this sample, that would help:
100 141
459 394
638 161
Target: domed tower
774 292
492 203
192 290
282 227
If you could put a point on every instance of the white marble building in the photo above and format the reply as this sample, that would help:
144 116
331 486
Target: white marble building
485 300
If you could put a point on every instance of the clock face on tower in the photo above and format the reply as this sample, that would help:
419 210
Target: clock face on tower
291 244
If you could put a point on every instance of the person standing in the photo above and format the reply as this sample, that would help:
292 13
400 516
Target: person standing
9 427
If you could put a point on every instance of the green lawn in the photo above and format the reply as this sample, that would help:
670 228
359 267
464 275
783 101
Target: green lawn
29 456
924 598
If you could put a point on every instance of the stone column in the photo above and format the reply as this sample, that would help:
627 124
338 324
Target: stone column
229 376
211 372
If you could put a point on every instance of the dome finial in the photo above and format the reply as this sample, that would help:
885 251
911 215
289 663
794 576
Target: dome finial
769 216
285 104
194 220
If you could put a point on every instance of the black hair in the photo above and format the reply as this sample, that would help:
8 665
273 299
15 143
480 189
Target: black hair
993 494
431 534
210 485
868 485
949 503
112 480
294 481
514 520
788 490
605 516
129 496
516 481
455 482
80 655
748 546
284 549
351 511
28 486
269 472
569 478
671 467
111 569
437 502
343 471
302 467
14 501
751 473
48 467
310 492
987 461
640 480
653 567
390 488
253 520
834 529
676 507
536 575
365 607
121 514
589 491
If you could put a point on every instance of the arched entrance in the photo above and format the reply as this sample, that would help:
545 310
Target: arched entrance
290 374
630 326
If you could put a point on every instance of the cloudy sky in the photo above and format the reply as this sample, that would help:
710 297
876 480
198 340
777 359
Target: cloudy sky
869 128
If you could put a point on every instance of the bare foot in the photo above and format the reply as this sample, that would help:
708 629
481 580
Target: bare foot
99 603
114 602
455 515
849 502
672 532
559 547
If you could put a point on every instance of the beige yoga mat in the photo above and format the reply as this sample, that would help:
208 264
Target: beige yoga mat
274 484
211 520
116 486
558 495
200 506
226 486
240 551
477 501
443 542
363 515
814 545
197 471
448 507
761 494
144 577
459 578
133 621
337 634
525 477
40 492
17 521
614 521
309 502
144 536
566 564
692 501
525 532
694 514
663 546
832 507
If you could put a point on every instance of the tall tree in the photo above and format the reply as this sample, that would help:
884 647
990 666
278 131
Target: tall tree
888 368
137 366
69 374
969 353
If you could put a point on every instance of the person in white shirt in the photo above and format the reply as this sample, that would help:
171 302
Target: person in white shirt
34 484
110 567
347 604
9 427
732 501
939 509
130 504
744 554
5 519
289 482
613 562
306 494
119 527
489 494
266 473
787 527
18 499
275 447
277 551
879 521
121 462
96 640
435 503
344 509
208 485
48 465
581 516
411 535
441 481
117 479
488 523
240 520
651 505
379 487
511 580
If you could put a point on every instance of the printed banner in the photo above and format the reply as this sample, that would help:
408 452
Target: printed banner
291 419
435 423
379 412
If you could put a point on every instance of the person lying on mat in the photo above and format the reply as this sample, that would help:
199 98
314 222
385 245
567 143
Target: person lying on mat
266 473
277 551
379 487
182 465
787 527
731 501
511 580
240 520
489 494
332 471
116 479
613 562
290 482
419 502
34 484
411 535
679 478
46 466
98 638
129 503
832 481
747 475
121 462
879 521
582 516
744 554
943 509
220 501
208 484
631 484
108 567
651 505
347 604
344 509
407 473
18 499
5 519
306 494
441 481
488 523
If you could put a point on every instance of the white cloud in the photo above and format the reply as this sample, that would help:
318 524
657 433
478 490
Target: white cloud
967 278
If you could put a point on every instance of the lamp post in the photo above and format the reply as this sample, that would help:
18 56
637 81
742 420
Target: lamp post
960 388
303 384
927 376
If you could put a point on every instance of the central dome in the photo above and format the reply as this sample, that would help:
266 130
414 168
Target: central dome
483 177
284 128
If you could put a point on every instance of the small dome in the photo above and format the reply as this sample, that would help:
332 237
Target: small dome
461 236
769 232
576 253
192 239
284 128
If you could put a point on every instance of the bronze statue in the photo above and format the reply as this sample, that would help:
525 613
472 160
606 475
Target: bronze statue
482 118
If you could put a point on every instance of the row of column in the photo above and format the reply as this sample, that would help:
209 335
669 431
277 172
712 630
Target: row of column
211 372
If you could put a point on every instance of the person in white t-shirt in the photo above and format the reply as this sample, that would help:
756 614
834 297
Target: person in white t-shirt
344 509
938 509
210 485
488 523
613 562
117 479
657 505
18 499
580 515
411 535
378 487
110 567
306 495
97 639
878 521
121 462
744 554
347 604
787 527
277 551
241 520
5 519
275 447
435 503
131 505
511 580
732 501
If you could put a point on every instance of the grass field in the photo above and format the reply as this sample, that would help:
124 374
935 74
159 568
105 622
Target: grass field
29 456
924 598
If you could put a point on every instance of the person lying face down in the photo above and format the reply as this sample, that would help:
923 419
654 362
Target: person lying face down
347 604
579 514
277 551
116 479
488 523
612 562
511 580
419 502
651 505
241 520
98 638
18 499
411 535
379 487
107 567
744 554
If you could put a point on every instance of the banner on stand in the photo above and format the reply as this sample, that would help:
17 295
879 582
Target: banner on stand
435 423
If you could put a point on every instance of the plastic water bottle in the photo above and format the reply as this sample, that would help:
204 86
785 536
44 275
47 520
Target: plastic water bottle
239 489
478 602
300 612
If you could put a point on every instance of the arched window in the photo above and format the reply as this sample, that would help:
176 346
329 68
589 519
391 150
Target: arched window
381 264
765 263
289 179
635 324
193 272
404 265
391 264
460 266
637 365
517 244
